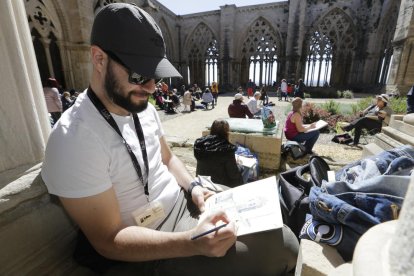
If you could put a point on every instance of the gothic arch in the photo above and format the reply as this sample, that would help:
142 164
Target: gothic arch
259 52
385 51
167 38
200 46
330 48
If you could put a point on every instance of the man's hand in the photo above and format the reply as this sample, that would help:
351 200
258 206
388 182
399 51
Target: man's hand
217 243
199 195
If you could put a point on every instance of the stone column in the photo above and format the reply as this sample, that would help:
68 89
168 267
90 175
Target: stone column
227 21
402 67
24 126
401 249
46 46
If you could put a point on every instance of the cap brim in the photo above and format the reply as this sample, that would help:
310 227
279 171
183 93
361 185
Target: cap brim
151 67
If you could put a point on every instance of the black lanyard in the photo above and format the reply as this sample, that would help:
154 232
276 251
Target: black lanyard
108 117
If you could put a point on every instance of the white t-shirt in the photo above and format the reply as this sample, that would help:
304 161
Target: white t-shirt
252 105
85 157
283 86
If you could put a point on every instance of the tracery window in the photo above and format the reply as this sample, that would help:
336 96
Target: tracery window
260 51
319 61
46 33
330 51
203 56
212 56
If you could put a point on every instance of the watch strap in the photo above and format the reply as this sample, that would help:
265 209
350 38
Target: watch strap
192 185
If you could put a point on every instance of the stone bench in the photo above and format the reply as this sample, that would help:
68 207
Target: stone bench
36 235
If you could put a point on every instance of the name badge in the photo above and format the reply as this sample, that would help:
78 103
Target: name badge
148 214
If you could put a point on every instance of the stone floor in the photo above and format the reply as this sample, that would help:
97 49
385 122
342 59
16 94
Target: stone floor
182 129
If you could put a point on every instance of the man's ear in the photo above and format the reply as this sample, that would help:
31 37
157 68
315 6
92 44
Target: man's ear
99 58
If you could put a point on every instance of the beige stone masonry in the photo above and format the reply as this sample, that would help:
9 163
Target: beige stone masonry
399 132
267 147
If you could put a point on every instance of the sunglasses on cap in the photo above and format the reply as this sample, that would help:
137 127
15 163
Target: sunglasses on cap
133 77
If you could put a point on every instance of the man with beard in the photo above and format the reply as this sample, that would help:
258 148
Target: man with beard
108 162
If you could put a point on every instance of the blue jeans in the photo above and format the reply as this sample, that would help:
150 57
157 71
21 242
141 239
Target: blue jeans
360 211
379 184
309 138
352 213
399 161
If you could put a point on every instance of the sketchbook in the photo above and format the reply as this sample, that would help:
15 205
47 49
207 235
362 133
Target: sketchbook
254 206
319 125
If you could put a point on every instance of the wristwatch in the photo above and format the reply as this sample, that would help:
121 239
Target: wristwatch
192 185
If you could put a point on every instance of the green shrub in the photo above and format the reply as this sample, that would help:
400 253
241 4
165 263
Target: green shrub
348 94
398 105
331 107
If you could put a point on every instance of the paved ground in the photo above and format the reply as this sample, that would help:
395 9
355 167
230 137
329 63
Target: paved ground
183 128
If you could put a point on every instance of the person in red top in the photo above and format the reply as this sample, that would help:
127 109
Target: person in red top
237 109
295 130
290 91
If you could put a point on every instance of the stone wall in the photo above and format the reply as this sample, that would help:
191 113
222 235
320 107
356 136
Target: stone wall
369 24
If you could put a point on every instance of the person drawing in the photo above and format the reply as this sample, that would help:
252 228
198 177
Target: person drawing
108 162
295 130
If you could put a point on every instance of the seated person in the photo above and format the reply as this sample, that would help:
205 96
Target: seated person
263 96
171 102
252 104
207 98
159 100
197 91
295 130
138 210
237 109
372 118
215 156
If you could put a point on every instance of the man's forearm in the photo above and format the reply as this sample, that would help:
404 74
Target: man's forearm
177 168
138 244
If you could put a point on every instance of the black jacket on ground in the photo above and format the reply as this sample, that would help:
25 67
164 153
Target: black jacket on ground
215 158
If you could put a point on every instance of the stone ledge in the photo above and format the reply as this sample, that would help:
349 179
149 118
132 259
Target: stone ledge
316 259
399 136
18 189
36 235
386 142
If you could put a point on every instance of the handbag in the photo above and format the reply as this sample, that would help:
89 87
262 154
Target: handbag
294 190
344 138
295 149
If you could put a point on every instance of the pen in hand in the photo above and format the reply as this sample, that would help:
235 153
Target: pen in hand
209 231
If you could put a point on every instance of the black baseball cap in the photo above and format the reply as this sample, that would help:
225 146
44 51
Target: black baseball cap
133 36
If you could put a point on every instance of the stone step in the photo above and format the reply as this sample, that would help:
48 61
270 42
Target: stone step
403 127
398 135
386 142
371 149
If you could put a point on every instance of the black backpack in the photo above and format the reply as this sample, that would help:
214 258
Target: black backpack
294 191
295 149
